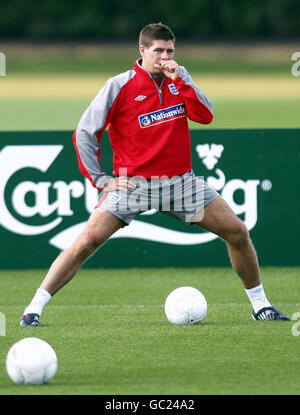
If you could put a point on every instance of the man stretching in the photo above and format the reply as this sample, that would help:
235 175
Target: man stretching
146 110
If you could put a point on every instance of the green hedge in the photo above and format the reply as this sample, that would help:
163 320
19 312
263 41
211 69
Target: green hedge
119 19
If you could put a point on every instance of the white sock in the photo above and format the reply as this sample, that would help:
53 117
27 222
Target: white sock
38 302
257 297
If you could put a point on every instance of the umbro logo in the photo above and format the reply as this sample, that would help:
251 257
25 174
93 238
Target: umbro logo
140 97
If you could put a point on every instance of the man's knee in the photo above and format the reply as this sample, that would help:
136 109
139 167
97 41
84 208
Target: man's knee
238 235
100 227
86 245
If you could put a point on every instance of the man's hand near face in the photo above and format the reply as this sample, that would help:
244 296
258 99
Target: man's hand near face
169 68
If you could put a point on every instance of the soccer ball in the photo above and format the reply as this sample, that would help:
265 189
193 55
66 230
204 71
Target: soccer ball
185 305
31 361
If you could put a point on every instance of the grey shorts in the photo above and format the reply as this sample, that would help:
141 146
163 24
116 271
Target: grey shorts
183 197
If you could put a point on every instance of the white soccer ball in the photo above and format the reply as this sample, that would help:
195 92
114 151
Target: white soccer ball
31 361
185 305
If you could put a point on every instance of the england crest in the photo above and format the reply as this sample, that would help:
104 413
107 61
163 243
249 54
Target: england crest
173 89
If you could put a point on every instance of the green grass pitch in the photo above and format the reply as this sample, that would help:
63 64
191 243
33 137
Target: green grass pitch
111 335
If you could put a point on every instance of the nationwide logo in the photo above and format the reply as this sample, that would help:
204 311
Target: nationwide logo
163 115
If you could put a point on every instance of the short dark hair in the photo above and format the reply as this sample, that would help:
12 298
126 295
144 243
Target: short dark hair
155 31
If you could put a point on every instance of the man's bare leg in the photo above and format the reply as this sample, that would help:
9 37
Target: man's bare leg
221 220
101 225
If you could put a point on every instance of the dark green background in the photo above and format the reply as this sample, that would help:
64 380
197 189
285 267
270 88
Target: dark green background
117 19
248 155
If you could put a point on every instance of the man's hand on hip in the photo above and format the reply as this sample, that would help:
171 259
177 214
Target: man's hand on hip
121 183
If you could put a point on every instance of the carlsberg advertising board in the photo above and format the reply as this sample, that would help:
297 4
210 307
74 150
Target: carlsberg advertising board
45 201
